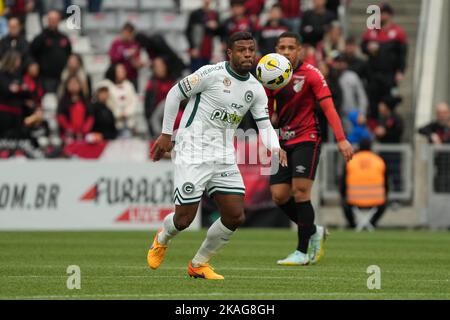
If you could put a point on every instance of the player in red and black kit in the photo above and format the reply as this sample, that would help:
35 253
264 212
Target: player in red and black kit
292 111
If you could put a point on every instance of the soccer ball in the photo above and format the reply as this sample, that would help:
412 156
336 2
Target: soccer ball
274 71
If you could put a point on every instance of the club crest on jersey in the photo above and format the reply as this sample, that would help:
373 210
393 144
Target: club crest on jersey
248 96
227 82
188 188
298 84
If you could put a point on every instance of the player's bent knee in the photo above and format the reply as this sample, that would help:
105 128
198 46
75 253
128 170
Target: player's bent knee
234 221
280 199
301 194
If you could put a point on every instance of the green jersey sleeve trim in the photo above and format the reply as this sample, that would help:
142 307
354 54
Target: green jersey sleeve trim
181 89
194 111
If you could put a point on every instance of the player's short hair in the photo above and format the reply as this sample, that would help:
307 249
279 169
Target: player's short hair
128 26
290 34
237 36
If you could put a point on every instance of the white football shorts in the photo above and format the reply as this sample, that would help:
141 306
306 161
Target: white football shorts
191 180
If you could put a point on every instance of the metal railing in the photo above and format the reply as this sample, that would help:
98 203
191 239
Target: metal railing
398 158
437 212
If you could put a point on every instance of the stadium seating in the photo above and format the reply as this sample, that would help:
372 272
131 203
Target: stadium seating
142 21
157 5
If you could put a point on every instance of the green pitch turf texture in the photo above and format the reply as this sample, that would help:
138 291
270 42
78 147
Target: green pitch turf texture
414 265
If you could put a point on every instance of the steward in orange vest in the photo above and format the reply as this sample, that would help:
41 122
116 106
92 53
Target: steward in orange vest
364 183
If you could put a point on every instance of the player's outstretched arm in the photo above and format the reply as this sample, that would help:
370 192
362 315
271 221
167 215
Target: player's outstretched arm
164 142
345 148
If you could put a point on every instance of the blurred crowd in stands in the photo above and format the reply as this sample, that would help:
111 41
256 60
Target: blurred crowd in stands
363 70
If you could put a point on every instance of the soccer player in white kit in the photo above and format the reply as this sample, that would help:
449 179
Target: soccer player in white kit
204 156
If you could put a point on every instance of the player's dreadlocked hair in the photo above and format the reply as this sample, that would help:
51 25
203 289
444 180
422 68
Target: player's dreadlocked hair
237 36
289 34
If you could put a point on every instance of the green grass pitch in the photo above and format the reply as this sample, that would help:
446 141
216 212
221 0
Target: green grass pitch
414 265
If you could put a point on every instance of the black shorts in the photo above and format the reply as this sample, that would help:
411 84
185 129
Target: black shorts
303 159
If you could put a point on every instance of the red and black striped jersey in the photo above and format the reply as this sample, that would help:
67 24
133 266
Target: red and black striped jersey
293 106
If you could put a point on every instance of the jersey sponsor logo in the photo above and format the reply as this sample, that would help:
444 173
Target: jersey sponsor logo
300 169
221 114
249 96
236 106
228 174
209 70
188 188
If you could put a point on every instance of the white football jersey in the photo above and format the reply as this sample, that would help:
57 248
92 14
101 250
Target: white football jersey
218 100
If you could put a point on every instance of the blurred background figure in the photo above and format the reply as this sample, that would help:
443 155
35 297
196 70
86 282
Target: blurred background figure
203 25
292 12
333 42
51 49
19 9
94 6
364 185
274 27
238 21
36 127
123 100
390 124
438 131
357 127
15 40
314 23
104 127
155 94
74 117
353 93
390 131
127 51
12 96
386 49
75 67
355 60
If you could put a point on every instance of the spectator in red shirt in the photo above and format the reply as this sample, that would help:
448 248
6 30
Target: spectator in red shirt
36 127
253 9
126 50
20 9
32 81
74 117
292 11
275 26
12 96
155 94
387 50
202 27
238 21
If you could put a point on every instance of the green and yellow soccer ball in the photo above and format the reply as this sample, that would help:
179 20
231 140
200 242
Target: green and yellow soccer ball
274 71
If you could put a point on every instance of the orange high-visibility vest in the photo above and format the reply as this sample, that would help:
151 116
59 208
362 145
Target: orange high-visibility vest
365 180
